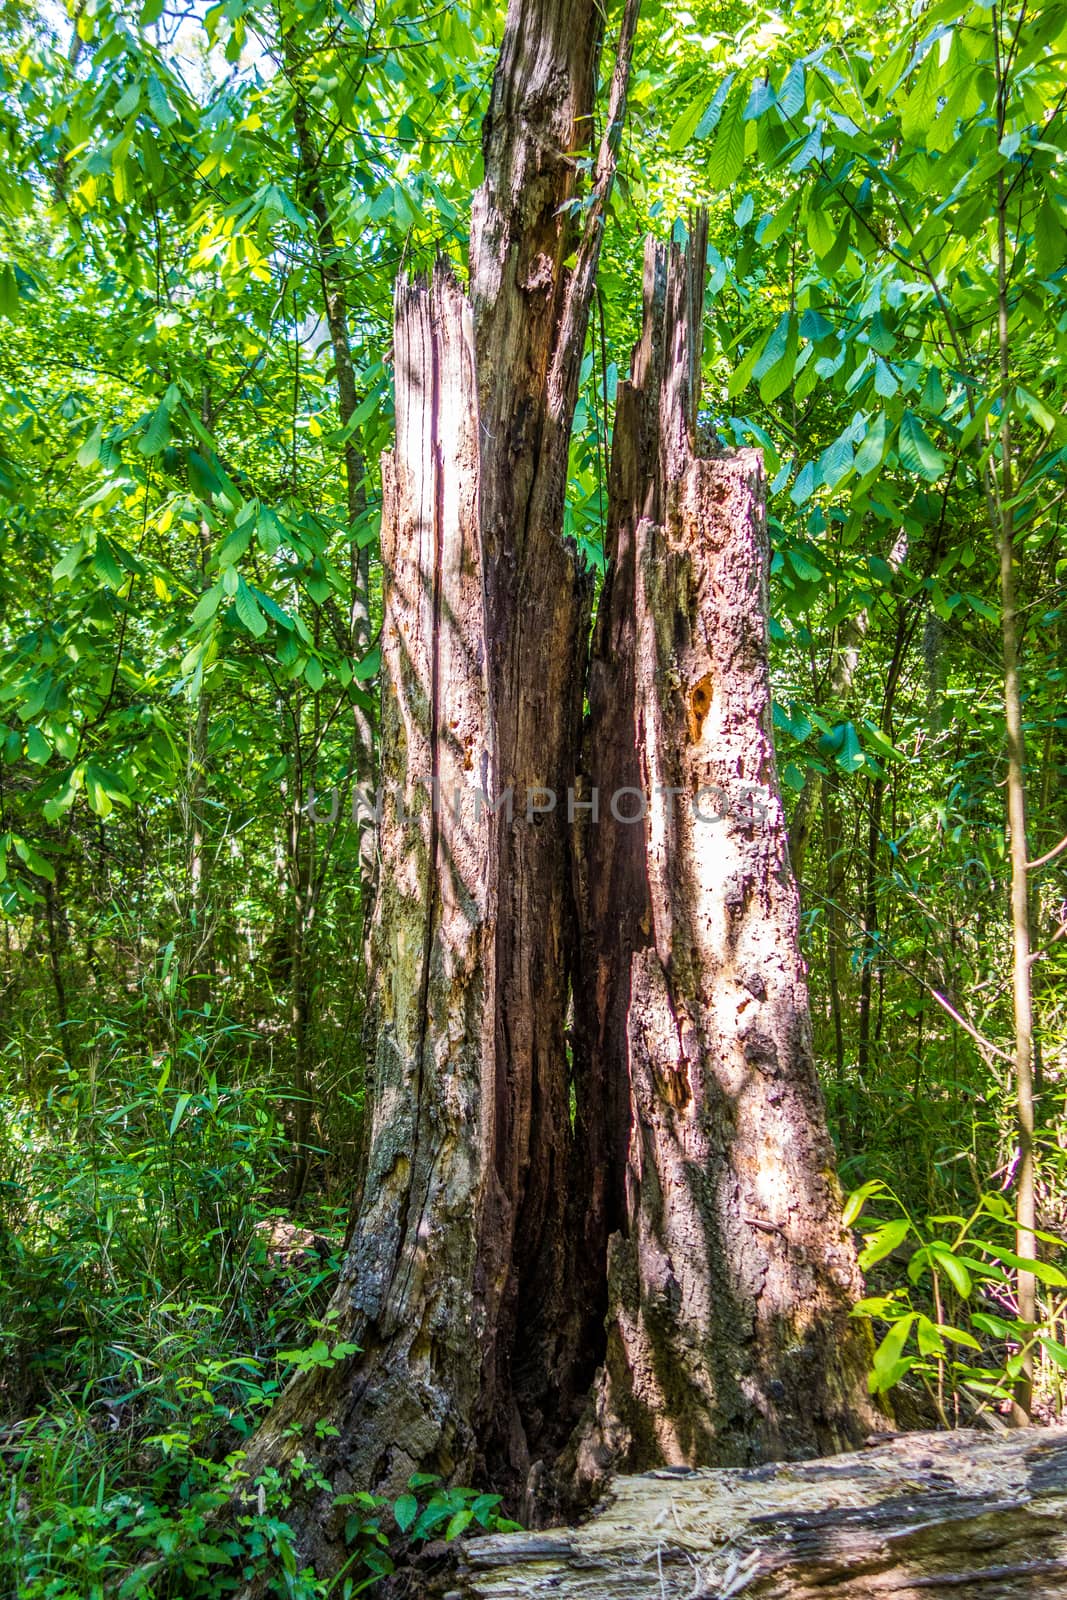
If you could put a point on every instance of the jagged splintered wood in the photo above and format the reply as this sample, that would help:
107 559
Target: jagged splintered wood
691 1201
730 1277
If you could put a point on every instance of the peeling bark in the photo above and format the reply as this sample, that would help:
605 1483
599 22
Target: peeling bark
455 1281
410 1294
730 1277
530 315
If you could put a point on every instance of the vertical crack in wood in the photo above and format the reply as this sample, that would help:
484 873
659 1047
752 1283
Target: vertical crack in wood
730 1276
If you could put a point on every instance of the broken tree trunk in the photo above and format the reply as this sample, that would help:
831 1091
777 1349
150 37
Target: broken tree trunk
926 1517
730 1276
455 1285
410 1295
530 314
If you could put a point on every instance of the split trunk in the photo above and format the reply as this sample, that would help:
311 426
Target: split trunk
657 1201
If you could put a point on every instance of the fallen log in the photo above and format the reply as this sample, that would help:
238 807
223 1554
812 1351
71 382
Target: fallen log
915 1516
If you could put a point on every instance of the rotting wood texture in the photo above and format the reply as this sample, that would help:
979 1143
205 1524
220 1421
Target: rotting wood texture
730 1275
922 1517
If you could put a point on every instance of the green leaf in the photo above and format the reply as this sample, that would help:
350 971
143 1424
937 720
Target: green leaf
885 383
953 1268
996 1327
928 1337
1036 408
791 94
162 110
1050 239
759 101
9 291
842 742
958 1336
742 373
884 1241
920 107
207 605
314 676
105 564
858 1199
727 155
179 1112
1043 1271
248 610
711 118
405 1511
89 452
235 544
1056 1350
887 1357
157 433
918 453
871 453
805 570
836 462
370 666
483 1505
459 1523
37 747
804 487
685 126
808 151
269 531
33 859
777 363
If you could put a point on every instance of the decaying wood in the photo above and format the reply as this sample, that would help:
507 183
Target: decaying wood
923 1517
530 312
408 1294
455 1285
730 1276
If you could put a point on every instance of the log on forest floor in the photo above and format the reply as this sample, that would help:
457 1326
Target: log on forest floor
921 1516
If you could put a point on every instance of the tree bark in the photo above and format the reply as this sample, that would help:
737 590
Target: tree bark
408 1399
730 1277
926 1517
530 314
700 1186
455 1282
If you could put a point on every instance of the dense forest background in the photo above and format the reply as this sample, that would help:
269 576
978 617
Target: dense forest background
204 212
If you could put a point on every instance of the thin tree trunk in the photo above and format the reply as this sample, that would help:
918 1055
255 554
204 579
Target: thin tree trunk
800 825
835 880
335 305
1026 1285
871 956
53 920
1001 497
197 933
731 1278
299 868
847 642
196 955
